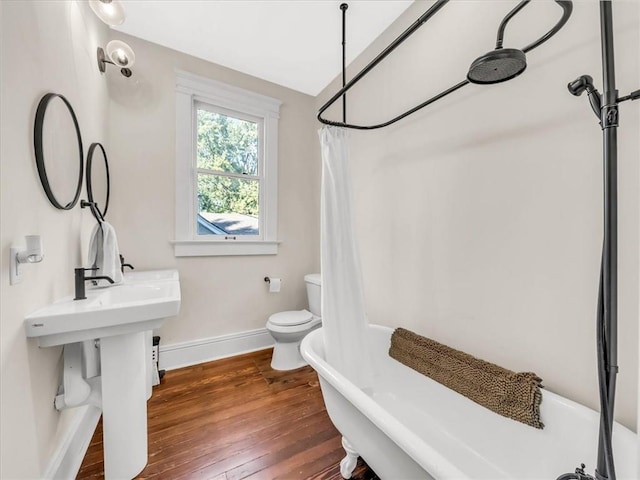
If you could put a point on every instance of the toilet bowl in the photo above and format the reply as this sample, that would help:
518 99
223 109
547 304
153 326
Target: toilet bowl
290 327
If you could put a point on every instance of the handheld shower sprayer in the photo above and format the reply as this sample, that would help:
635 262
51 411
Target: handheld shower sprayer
580 84
585 83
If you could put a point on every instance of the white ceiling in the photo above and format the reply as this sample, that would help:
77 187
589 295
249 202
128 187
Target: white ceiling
295 43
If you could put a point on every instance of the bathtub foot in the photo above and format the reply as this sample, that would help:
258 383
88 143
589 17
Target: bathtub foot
349 462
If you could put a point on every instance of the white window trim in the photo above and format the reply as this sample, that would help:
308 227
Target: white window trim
190 89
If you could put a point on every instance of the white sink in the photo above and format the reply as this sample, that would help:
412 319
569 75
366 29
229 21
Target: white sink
126 308
121 316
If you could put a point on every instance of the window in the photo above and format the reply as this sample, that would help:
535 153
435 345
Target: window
226 169
229 172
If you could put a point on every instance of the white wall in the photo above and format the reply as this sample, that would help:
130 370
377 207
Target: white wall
46 47
480 217
220 295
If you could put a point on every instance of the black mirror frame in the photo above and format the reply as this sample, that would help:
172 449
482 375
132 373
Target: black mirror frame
92 148
39 153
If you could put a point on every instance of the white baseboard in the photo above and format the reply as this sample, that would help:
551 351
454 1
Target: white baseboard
185 354
75 430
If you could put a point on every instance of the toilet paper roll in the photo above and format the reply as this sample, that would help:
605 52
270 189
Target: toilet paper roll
274 285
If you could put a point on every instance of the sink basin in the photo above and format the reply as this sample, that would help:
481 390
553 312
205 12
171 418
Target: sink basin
126 308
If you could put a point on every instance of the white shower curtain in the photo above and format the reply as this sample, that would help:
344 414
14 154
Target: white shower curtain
344 320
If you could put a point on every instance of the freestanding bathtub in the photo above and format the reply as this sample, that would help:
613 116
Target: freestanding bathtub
411 427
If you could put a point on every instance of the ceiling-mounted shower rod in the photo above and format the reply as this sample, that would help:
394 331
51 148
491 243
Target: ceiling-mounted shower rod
344 7
496 66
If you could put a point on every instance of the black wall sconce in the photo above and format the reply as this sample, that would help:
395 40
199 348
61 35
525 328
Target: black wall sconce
117 53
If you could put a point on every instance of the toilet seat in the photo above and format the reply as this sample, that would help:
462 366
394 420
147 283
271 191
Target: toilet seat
291 318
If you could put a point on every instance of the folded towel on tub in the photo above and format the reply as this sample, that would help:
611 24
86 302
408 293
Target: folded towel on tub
510 394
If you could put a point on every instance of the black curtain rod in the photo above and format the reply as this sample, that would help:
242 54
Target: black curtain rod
566 5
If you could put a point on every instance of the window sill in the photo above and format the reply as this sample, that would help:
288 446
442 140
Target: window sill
208 248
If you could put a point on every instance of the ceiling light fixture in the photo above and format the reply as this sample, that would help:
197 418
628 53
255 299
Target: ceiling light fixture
119 54
110 12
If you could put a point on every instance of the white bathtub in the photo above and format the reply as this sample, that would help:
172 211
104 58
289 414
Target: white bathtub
411 427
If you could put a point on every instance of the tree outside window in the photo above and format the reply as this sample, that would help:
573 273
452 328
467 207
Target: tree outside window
228 183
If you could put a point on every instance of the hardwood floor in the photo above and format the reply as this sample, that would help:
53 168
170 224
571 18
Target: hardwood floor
236 419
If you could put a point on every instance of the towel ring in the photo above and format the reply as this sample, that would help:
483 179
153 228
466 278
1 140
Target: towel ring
89 179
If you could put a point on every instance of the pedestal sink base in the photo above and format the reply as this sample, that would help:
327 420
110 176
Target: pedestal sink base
124 405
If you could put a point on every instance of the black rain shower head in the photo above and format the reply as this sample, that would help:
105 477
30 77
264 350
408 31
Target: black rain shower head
497 66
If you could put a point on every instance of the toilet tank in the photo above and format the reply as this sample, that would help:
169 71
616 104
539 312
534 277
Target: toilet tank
314 283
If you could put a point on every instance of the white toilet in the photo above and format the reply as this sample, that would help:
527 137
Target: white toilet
289 328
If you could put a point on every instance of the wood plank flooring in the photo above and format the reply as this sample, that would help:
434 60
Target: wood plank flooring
236 419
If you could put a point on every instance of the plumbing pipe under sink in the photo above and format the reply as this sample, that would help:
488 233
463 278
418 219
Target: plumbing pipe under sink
76 390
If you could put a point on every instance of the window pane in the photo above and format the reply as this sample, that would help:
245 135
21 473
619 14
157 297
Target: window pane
227 205
227 144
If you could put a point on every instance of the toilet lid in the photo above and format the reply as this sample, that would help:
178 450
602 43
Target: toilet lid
291 318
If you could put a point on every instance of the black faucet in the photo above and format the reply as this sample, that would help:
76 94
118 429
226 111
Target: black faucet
80 279
122 264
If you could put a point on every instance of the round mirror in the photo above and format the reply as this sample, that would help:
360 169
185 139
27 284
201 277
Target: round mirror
98 182
58 148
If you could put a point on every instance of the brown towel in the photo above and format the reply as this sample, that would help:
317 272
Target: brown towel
510 394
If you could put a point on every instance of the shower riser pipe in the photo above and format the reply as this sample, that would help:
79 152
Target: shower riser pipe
609 122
